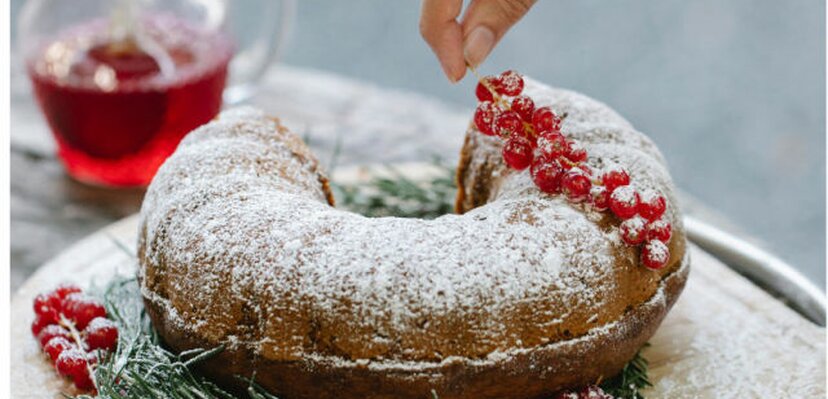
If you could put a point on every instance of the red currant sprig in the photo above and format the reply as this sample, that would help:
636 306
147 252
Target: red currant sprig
558 165
71 327
587 392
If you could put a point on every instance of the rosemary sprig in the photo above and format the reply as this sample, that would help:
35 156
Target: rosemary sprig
400 196
141 367
629 382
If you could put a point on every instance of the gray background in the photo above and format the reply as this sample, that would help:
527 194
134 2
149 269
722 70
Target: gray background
732 91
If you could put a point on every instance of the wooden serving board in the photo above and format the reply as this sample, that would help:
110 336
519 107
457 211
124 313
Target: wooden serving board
724 338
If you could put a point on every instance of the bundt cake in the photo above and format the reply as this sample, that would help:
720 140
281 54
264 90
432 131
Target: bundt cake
520 295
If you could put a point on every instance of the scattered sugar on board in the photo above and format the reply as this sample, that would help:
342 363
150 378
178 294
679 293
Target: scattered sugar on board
712 361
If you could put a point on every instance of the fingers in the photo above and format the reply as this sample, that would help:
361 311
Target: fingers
442 32
485 22
470 41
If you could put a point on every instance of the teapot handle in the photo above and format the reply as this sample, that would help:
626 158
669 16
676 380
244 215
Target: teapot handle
252 61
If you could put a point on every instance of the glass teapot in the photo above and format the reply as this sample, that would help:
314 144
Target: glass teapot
120 82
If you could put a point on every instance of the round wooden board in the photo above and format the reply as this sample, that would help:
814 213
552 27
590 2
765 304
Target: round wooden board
725 337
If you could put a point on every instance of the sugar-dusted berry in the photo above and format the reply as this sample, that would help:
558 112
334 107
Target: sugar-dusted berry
633 230
567 395
525 107
575 152
552 144
509 83
576 185
593 392
507 123
599 198
484 117
660 230
65 289
652 205
51 331
547 174
56 346
518 152
655 254
483 93
41 321
624 202
101 333
545 120
614 178
83 381
49 302
81 309
71 362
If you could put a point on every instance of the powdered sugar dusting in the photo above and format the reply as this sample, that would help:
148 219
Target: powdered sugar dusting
238 241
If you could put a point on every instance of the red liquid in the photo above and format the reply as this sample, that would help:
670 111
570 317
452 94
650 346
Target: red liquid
116 117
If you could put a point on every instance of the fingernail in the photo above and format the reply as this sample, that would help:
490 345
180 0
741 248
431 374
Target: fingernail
478 45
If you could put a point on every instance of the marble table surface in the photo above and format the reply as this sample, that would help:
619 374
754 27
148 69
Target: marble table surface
346 122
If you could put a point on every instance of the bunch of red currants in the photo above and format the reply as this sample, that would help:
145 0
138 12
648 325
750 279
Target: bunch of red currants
558 165
74 332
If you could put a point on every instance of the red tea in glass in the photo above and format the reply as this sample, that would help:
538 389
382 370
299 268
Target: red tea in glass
118 108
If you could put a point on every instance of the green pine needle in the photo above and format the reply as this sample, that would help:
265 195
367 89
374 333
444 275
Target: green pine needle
141 367
628 383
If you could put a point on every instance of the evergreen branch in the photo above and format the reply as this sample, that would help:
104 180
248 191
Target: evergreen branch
632 378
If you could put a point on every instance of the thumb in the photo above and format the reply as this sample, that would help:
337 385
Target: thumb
484 24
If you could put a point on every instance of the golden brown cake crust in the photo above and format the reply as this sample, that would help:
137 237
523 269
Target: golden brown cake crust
522 295
537 373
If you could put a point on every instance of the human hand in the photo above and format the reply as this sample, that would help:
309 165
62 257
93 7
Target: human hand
470 40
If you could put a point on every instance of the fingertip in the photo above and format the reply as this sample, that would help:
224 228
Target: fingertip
454 72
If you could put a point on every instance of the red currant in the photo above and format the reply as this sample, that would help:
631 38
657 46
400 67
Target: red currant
83 381
652 205
547 174
599 198
507 123
518 152
82 309
593 392
46 304
71 362
624 202
524 106
101 333
567 395
65 289
552 144
660 230
576 185
655 254
51 331
615 178
510 83
575 152
633 230
545 120
483 93
56 346
49 303
41 321
484 117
